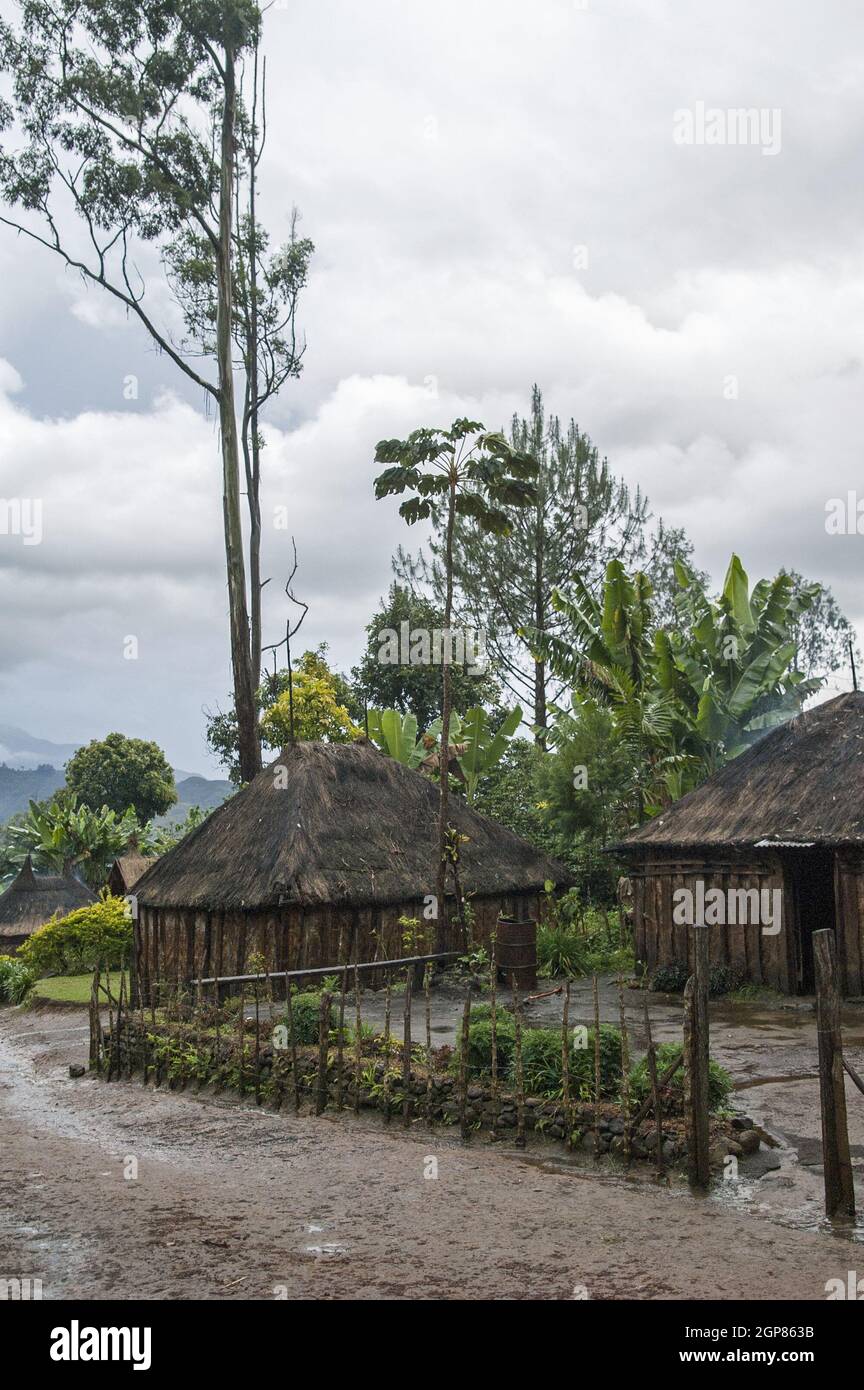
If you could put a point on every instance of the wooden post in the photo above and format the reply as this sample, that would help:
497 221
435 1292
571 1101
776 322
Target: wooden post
520 1071
565 1066
358 1042
596 990
95 1025
656 1101
388 1003
217 1023
258 1039
625 1073
406 1050
836 1160
696 1062
241 1041
463 1066
142 1027
427 986
493 1027
340 1043
292 1037
323 1047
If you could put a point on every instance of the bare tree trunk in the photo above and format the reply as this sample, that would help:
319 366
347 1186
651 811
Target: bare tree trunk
444 759
244 689
540 619
253 463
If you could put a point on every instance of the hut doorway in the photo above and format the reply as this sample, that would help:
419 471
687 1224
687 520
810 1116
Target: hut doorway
811 879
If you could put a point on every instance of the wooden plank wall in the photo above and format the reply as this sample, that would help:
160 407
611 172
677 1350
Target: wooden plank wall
175 944
849 898
770 960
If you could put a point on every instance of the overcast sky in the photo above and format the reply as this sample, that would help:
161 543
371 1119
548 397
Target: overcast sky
499 194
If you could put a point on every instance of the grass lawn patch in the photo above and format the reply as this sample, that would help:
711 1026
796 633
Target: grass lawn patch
73 989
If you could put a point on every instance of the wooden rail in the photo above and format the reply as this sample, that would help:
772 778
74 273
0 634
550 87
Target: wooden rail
329 969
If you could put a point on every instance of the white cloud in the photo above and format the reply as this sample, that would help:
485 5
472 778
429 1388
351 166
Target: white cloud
447 161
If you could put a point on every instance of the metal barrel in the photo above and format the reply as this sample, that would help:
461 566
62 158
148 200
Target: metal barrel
517 952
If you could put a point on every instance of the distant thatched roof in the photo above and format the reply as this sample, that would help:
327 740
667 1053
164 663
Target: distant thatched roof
31 900
345 824
126 871
803 783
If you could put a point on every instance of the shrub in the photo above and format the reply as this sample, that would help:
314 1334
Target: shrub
561 950
541 1062
719 1080
582 1063
306 1012
16 980
480 1041
100 934
723 980
670 979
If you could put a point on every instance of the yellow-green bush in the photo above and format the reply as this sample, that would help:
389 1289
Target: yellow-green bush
100 934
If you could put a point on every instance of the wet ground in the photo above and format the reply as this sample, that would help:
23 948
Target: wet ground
113 1191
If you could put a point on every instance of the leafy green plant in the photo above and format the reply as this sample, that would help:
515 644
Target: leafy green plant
60 835
719 1080
541 1062
670 978
16 980
395 734
582 1062
100 934
480 1042
561 950
306 1013
723 979
482 746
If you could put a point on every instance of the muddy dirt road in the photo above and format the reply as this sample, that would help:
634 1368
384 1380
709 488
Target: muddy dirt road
226 1202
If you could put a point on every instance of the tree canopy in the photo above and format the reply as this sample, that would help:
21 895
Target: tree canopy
120 773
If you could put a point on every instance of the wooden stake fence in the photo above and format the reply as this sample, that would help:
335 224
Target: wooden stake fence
836 1158
696 1062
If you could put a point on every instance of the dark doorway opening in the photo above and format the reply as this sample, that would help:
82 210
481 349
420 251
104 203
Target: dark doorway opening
811 877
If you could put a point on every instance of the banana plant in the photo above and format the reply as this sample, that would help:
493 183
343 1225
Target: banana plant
475 747
62 836
395 734
483 746
731 663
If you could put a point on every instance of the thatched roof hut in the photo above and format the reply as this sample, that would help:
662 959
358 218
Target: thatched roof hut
32 899
786 816
126 871
313 864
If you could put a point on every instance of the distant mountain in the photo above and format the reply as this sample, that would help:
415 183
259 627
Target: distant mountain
20 786
19 749
32 769
197 791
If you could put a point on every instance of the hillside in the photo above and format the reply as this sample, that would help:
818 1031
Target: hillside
19 786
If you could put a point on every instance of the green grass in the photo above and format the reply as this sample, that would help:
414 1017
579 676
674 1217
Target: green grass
73 989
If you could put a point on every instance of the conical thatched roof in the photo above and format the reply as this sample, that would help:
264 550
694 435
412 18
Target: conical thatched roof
31 900
801 784
344 824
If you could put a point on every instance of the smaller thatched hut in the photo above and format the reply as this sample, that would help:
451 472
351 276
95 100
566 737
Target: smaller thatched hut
126 871
32 899
313 864
784 819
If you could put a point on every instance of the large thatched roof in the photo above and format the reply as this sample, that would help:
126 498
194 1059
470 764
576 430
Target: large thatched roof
31 900
801 784
345 824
